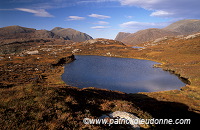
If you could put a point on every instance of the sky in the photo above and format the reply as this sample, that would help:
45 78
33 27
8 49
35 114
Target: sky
98 18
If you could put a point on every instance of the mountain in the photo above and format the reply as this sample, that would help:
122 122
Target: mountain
71 34
182 27
13 32
15 39
121 35
185 27
45 34
16 32
146 35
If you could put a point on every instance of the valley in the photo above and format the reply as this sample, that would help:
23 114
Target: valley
33 95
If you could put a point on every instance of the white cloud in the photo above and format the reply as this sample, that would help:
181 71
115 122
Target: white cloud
38 12
138 2
133 24
173 8
100 27
102 23
71 18
176 8
161 13
99 16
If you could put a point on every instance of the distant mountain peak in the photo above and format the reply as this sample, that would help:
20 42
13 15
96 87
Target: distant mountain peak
186 26
56 29
15 32
72 34
182 27
121 35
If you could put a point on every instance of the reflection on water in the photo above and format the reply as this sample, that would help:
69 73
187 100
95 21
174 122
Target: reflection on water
122 74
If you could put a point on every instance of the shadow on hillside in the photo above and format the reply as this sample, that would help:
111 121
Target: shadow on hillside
158 109
6 85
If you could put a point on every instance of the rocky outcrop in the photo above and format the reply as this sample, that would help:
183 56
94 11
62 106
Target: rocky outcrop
192 36
125 116
64 60
102 41
71 34
32 52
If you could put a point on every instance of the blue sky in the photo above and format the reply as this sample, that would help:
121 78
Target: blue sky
98 18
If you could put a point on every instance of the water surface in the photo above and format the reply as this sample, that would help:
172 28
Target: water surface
137 47
122 74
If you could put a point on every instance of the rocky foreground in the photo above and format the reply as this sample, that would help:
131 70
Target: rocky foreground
33 96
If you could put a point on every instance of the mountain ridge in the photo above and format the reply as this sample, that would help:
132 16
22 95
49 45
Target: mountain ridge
146 35
121 35
182 27
14 39
185 27
71 34
16 32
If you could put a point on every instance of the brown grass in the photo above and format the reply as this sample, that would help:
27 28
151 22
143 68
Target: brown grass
39 99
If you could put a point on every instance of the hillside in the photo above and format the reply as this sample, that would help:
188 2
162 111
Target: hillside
31 87
146 35
121 35
182 27
15 39
16 32
71 34
185 27
12 32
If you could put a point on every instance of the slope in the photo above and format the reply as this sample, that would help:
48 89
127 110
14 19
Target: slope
146 35
187 26
182 27
71 34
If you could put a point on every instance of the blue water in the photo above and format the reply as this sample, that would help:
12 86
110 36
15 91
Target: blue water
137 47
122 74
